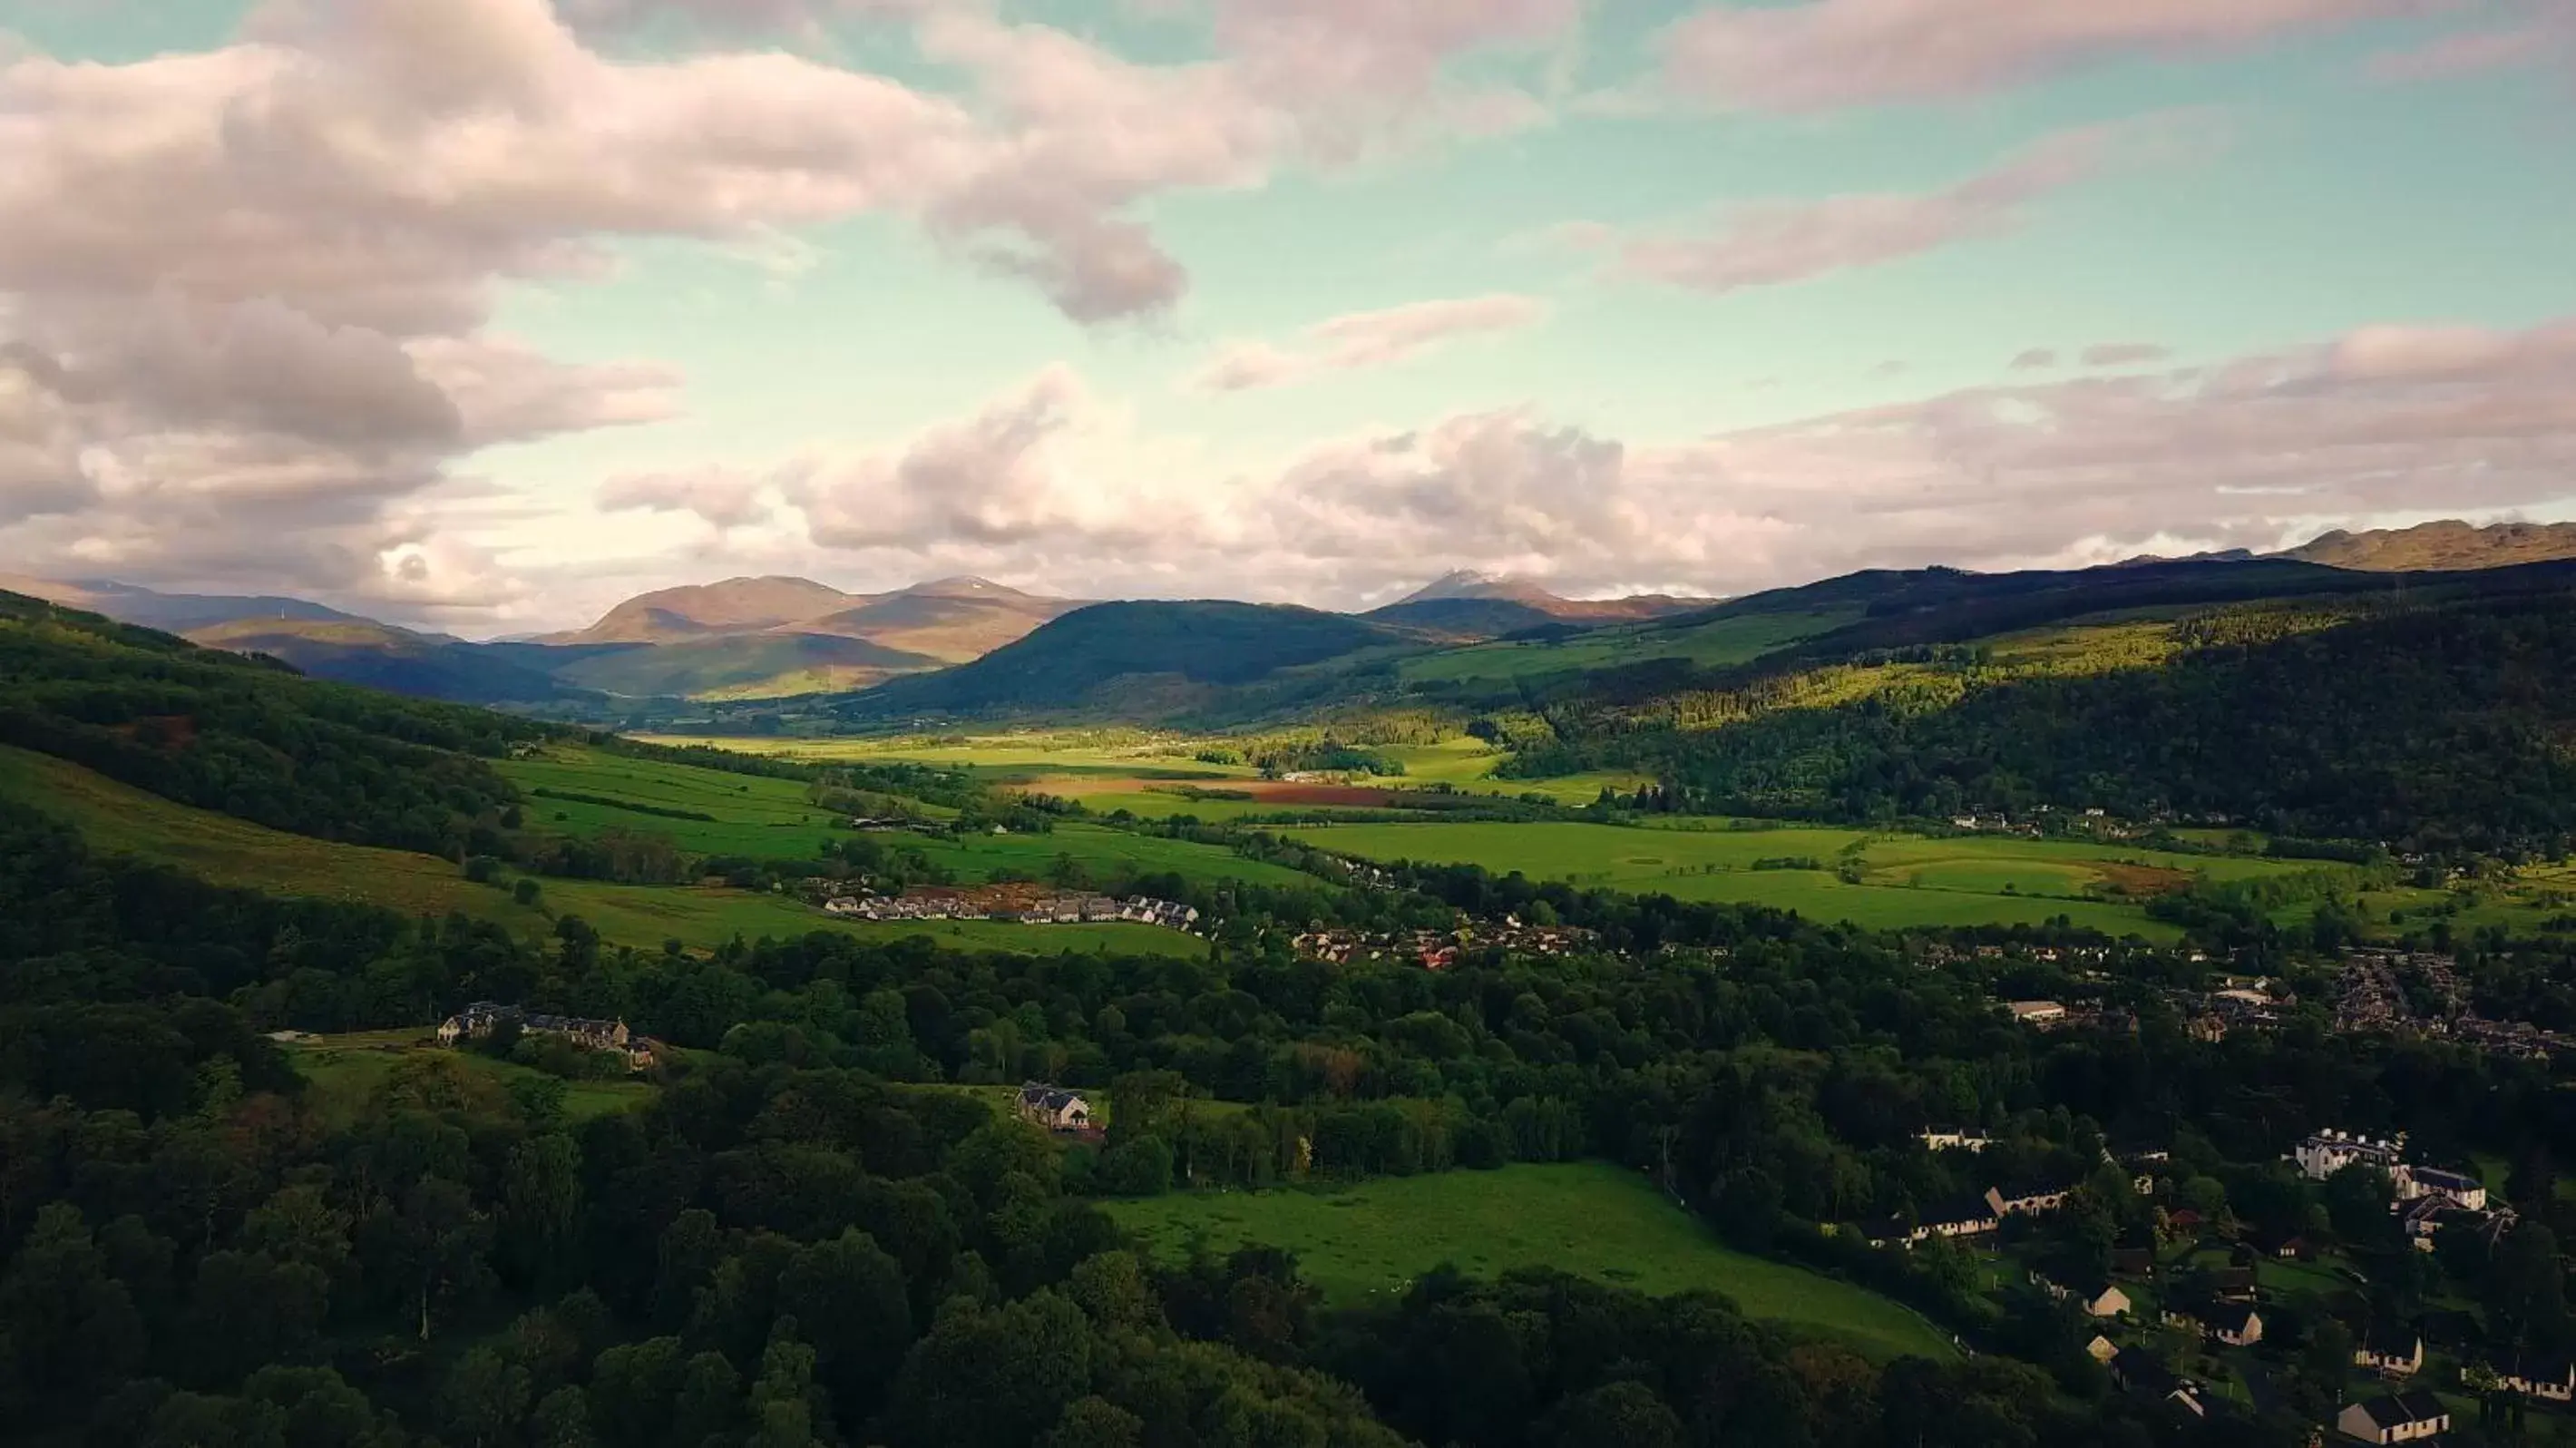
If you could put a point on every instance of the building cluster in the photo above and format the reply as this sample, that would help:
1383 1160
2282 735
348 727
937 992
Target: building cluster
2372 995
2430 1200
1018 904
482 1018
1438 949
1053 1107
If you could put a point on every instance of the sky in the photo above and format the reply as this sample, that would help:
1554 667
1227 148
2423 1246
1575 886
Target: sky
485 314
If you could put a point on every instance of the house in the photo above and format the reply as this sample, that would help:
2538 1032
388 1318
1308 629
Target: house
2233 1284
482 1018
2465 1192
2399 1418
1953 1138
2096 1297
2026 1200
2236 1324
2182 1222
2550 1378
2133 1261
2101 1349
2390 1350
1960 1221
2040 1015
2286 1247
1052 1107
2138 1373
2330 1151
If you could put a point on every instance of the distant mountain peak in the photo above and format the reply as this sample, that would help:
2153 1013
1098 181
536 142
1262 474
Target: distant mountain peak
2447 544
963 585
1472 583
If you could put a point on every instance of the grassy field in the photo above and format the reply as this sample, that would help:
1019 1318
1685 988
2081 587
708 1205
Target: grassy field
1904 880
229 851
1592 1219
346 1072
770 819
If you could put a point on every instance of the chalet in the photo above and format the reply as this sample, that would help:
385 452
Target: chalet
1052 1107
2236 1324
2548 1377
2399 1418
2390 1350
2137 1372
2026 1200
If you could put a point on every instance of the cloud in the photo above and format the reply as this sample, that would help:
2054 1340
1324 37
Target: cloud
1361 340
2254 452
2037 359
1771 243
268 270
1828 54
2124 354
722 496
2548 38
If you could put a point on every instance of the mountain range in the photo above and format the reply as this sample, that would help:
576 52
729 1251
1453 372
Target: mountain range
969 646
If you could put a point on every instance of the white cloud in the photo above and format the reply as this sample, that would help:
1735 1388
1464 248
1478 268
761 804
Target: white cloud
1360 340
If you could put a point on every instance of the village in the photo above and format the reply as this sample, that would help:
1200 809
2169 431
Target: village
1021 904
2181 1318
1438 950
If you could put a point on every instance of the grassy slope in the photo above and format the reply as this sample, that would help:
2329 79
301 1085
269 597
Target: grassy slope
1589 1218
769 819
234 852
347 1071
1907 880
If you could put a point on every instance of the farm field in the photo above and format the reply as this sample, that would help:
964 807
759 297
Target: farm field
1589 1218
346 1071
1905 880
228 851
770 819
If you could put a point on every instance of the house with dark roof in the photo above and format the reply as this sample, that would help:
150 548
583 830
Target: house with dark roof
2545 1376
2137 1371
2391 1350
2236 1324
1052 1107
2398 1418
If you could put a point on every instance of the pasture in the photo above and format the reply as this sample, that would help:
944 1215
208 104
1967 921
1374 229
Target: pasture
1904 880
1371 1240
228 851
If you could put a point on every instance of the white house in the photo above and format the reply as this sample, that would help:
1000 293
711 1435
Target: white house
2424 1181
2042 1014
2330 1151
2098 1299
1954 1138
2401 1418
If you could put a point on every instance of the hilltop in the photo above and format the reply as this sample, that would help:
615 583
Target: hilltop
381 656
2446 545
1467 584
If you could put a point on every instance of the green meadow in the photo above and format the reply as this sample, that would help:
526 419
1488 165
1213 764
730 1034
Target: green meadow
1904 880
1371 1240
229 851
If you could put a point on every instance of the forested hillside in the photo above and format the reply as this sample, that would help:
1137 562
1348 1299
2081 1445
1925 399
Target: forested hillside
228 733
2439 728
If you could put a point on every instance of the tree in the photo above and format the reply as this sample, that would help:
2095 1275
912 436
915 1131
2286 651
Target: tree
485 1400
68 1331
994 1377
1095 1423
1625 1413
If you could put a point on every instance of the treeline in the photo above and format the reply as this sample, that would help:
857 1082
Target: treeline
2435 731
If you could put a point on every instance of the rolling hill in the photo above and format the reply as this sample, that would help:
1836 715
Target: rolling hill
763 665
170 612
1149 659
948 620
380 656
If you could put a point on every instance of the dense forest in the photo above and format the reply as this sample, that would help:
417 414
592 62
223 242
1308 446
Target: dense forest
2441 730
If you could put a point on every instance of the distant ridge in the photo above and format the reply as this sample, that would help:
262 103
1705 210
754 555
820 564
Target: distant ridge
943 621
2448 545
168 612
1467 584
